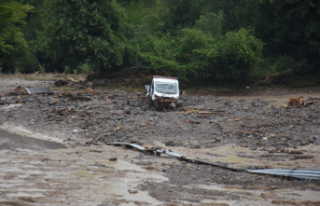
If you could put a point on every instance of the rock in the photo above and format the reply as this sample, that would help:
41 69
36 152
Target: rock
2 102
88 86
107 92
269 195
145 163
170 143
52 102
304 143
123 92
295 152
74 117
81 87
135 112
100 83
27 199
98 91
135 161
127 110
82 79
59 83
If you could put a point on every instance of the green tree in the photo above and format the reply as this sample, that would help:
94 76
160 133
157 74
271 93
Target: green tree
228 7
12 41
77 32
181 14
288 27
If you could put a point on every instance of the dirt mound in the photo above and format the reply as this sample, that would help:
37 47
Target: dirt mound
13 141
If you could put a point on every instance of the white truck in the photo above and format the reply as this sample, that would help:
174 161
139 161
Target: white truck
164 92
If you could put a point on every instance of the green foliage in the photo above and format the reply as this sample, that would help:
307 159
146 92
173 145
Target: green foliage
181 14
196 40
200 56
12 42
228 7
12 14
288 27
211 23
79 31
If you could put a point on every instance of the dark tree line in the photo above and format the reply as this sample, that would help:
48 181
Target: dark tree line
196 40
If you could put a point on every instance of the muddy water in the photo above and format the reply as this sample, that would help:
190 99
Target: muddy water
72 176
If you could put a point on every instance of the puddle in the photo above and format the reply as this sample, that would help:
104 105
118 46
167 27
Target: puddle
122 165
135 176
120 189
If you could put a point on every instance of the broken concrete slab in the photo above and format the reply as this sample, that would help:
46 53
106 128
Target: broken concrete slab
39 91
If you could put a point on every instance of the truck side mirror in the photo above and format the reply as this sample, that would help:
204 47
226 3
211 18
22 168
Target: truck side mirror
181 92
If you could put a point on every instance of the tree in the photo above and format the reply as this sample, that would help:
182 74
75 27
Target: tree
78 32
288 27
181 14
12 42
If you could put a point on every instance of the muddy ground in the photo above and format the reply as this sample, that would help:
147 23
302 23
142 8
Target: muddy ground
48 156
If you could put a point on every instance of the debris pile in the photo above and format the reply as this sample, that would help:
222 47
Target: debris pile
210 121
17 91
300 102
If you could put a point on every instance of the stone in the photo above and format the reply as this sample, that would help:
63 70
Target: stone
98 91
107 92
52 102
81 87
269 195
127 110
74 117
170 143
123 92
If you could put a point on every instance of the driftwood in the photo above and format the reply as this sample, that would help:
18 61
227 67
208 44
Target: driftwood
300 102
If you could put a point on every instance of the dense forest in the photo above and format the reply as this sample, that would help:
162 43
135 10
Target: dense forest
200 41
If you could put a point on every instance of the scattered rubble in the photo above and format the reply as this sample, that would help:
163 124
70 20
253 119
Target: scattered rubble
17 91
277 136
300 102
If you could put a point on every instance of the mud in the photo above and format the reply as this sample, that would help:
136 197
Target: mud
254 132
14 141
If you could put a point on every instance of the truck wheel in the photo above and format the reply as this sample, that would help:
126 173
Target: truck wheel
151 104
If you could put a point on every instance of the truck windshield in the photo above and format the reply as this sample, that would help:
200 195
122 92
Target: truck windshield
167 88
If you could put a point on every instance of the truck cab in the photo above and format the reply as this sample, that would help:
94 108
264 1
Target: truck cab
165 90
